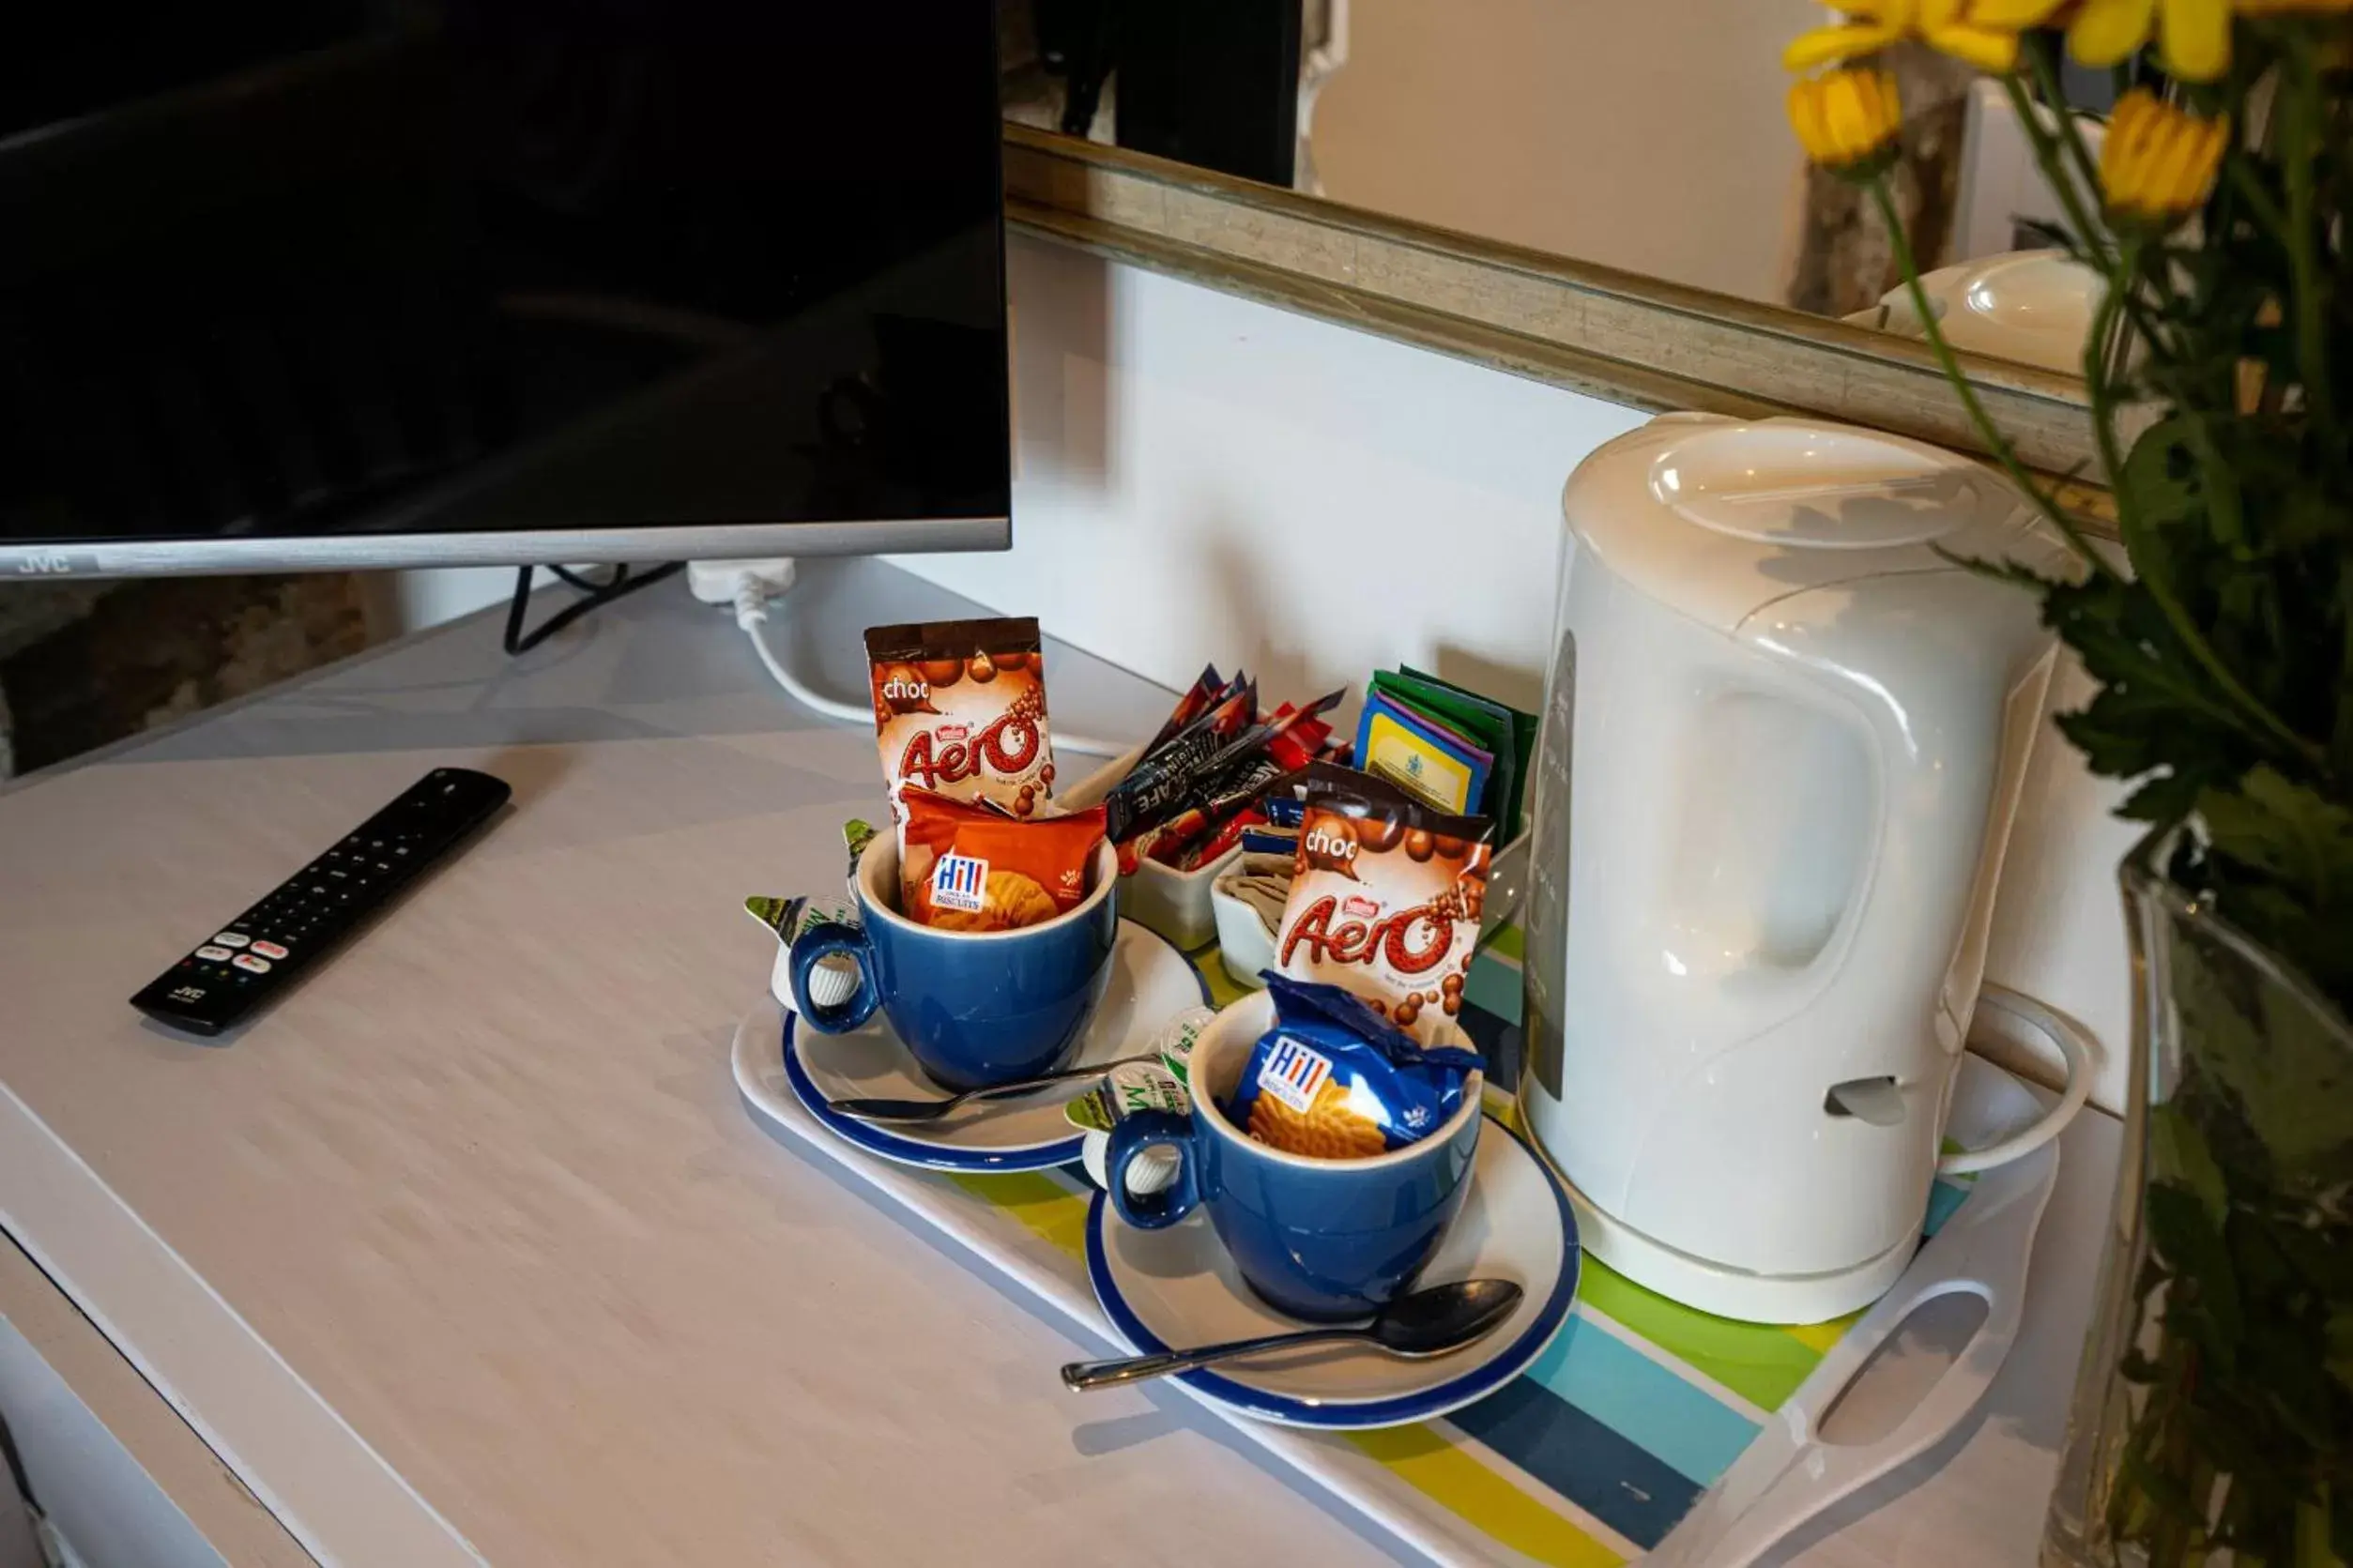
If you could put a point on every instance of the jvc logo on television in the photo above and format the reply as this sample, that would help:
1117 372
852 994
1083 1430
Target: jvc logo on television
44 563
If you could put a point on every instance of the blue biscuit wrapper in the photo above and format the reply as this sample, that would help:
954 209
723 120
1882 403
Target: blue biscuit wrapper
1324 1034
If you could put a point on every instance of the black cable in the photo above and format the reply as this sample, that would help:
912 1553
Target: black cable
16 1470
623 584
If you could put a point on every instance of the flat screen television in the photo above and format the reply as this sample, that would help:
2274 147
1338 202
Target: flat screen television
323 284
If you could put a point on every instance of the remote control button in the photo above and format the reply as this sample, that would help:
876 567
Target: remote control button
269 950
251 965
211 953
231 939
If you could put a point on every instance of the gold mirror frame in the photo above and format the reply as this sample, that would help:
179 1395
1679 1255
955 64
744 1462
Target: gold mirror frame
1616 335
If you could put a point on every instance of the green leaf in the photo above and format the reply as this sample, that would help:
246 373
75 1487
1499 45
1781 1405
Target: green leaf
2264 1271
2166 797
2205 1294
2276 1358
2177 1153
2322 1262
2162 1490
2159 478
2287 1069
2340 1356
2284 830
2152 710
2313 1530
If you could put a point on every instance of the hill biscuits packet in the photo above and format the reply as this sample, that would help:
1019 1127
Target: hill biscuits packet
1385 896
1335 1080
965 867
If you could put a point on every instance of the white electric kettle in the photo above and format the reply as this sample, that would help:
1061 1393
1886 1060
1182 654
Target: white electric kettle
1782 740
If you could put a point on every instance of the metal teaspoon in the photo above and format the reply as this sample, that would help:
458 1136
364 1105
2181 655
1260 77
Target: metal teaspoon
1428 1322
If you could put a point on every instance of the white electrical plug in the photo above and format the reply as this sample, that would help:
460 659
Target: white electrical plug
735 583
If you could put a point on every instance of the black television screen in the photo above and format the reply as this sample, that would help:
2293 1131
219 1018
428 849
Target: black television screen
295 282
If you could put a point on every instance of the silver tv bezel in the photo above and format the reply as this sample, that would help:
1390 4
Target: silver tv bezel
535 547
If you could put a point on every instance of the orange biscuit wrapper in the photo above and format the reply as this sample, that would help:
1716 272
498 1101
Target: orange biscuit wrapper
966 867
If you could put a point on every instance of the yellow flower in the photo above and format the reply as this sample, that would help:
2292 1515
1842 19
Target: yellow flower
2158 162
1847 120
2194 35
1984 33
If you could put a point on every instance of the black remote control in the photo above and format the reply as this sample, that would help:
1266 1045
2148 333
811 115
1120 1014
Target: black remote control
265 949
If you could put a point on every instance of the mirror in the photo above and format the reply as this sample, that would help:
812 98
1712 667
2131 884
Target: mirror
1649 138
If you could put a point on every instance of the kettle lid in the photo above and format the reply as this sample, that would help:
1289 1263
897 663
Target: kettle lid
1718 517
2032 306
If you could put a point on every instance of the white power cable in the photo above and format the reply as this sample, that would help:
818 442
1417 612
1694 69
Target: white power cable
752 595
751 613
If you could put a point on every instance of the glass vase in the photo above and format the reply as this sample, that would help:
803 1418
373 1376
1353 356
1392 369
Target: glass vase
2213 1413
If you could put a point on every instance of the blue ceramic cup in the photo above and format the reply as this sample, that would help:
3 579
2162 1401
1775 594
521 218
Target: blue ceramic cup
1322 1239
974 1008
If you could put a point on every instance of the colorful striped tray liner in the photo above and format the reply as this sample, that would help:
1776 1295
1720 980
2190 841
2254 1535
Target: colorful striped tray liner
1586 1460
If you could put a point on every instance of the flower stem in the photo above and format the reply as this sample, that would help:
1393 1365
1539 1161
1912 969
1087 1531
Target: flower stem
2302 112
2062 182
2091 234
1987 431
2099 350
2150 562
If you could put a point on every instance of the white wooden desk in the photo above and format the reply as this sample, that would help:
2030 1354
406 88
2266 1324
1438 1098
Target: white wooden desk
466 1252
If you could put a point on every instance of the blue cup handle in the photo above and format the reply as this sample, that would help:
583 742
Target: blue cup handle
1132 1136
811 948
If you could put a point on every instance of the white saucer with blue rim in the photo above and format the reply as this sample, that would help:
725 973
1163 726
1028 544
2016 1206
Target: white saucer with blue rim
1174 1288
1150 983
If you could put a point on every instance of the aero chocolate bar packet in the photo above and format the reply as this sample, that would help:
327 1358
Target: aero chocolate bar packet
1384 900
959 709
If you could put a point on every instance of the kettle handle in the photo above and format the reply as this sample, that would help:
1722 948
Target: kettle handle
1950 703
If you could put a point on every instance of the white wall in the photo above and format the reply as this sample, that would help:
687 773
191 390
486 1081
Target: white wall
406 601
1644 136
1203 478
